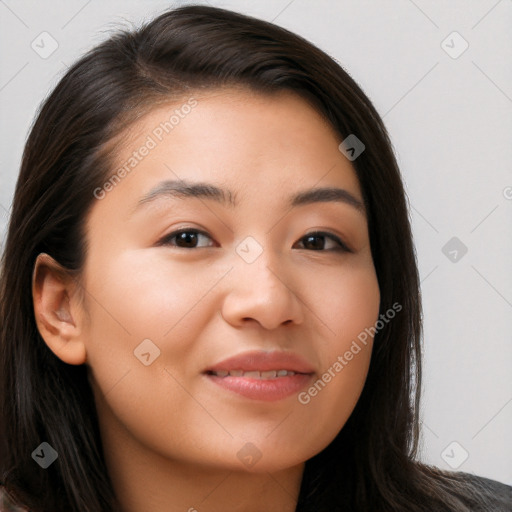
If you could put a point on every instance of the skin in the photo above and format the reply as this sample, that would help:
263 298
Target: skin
171 436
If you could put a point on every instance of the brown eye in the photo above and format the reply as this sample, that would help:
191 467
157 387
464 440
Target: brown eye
184 239
316 242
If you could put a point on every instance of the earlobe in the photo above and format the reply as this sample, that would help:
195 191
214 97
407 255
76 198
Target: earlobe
57 310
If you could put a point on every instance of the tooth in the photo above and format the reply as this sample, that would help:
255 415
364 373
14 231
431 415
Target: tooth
253 375
269 374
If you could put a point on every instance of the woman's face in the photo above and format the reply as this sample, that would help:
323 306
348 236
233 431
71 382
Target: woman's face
164 310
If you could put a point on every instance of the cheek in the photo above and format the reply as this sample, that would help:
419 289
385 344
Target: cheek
147 309
349 308
346 301
136 298
147 296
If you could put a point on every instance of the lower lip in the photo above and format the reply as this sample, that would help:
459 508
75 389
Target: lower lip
268 390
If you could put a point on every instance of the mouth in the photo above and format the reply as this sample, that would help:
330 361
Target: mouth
265 376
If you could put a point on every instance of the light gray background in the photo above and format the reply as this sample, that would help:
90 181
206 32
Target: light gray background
450 121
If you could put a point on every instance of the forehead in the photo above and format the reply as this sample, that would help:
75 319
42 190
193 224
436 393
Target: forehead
241 140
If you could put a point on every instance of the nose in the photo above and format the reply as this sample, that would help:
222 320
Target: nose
263 292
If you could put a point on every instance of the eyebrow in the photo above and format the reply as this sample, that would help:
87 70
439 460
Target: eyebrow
184 189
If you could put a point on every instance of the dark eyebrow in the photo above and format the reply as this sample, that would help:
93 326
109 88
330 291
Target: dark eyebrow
327 194
185 189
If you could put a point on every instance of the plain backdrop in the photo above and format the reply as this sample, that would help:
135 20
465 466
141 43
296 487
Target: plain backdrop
439 73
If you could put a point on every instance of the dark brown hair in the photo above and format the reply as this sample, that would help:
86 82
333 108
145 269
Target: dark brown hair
371 465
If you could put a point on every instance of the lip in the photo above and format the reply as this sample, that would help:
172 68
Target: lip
271 389
264 361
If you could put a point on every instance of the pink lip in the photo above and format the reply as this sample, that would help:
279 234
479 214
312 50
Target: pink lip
264 361
263 389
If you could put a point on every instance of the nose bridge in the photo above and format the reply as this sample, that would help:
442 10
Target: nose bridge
259 264
259 288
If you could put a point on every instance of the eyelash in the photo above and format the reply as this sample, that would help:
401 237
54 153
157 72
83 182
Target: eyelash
342 246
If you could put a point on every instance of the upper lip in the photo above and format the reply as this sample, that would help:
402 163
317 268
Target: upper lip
264 361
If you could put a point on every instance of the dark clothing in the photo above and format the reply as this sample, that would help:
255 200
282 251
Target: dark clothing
501 494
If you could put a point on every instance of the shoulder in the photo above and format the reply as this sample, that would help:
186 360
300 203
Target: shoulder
497 495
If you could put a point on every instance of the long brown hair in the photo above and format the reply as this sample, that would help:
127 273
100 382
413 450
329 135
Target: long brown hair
371 465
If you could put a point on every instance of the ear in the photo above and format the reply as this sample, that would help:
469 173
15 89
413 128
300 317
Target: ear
57 310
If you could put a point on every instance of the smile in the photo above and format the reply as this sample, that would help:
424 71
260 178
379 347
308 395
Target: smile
262 375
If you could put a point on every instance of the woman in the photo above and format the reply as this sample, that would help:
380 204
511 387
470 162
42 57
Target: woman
261 370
